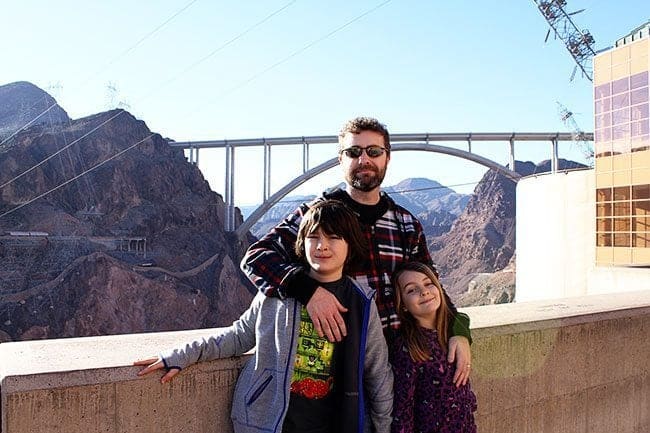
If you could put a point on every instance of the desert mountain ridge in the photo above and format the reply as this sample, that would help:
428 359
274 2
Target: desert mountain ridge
135 245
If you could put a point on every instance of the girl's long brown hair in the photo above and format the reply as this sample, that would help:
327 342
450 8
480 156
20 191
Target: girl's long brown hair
415 341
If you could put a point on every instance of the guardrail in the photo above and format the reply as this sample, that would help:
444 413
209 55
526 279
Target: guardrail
574 365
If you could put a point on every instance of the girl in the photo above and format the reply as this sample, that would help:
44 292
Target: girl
426 399
296 381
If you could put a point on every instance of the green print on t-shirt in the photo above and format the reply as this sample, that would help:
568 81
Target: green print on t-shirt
312 369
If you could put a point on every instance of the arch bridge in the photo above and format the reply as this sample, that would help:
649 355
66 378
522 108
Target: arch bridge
399 142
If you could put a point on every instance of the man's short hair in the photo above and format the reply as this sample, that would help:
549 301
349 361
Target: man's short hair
360 124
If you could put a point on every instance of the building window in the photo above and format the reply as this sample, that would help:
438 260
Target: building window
623 216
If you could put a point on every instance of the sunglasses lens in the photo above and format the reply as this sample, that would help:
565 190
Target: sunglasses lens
356 151
353 152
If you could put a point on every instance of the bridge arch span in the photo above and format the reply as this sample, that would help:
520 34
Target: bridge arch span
295 183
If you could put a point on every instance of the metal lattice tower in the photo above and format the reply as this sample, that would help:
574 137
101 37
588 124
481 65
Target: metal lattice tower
578 42
579 136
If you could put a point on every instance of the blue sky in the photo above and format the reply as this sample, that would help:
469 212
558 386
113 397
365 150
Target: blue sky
207 69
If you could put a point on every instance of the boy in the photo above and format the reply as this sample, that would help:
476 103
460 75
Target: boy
297 381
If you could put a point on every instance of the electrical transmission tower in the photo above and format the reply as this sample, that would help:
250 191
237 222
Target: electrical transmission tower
579 136
112 94
578 42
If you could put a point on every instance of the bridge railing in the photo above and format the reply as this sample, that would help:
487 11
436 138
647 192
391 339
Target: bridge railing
574 365
415 141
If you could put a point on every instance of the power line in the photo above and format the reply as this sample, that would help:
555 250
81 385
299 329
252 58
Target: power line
28 124
221 47
401 191
428 188
158 87
145 37
299 51
240 85
114 60
60 150
78 176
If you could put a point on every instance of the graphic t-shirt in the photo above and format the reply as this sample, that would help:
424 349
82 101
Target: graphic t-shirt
312 402
312 376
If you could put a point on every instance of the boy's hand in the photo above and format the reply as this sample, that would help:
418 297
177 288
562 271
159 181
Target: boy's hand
459 350
325 311
153 364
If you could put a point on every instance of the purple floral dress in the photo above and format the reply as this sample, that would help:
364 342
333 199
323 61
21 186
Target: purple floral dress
426 400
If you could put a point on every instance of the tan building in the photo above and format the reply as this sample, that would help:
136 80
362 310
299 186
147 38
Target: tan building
622 151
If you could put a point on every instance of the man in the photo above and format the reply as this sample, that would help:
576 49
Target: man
394 236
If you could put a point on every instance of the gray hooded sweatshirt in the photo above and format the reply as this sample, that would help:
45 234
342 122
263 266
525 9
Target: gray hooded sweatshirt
261 397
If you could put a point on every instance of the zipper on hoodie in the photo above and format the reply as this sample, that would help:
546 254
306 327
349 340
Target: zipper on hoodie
288 366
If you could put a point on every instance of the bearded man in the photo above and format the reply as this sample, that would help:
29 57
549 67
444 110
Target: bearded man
394 236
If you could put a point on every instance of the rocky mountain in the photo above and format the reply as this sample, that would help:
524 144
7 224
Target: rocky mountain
437 222
22 104
435 205
422 196
489 288
135 245
482 239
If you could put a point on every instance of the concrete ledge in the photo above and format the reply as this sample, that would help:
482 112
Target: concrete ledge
570 365
567 365
43 364
524 316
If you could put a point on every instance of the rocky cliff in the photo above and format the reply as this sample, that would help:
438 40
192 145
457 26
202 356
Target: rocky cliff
127 236
482 239
23 104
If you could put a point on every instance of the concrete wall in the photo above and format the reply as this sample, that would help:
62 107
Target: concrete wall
572 365
82 385
556 235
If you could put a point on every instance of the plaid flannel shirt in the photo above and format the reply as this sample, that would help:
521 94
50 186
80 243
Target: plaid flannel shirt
395 237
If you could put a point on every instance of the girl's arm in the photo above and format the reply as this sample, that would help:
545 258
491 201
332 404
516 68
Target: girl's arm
405 372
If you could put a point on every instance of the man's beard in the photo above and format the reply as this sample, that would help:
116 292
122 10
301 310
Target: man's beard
366 183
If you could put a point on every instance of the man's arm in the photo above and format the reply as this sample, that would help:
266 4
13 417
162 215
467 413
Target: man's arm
270 263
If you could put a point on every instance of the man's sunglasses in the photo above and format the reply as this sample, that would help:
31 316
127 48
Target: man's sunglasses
371 151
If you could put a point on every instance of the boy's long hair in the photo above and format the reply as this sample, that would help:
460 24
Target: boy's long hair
333 217
410 329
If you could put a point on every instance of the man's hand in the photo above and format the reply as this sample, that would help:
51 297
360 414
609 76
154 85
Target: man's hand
153 364
460 352
325 311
